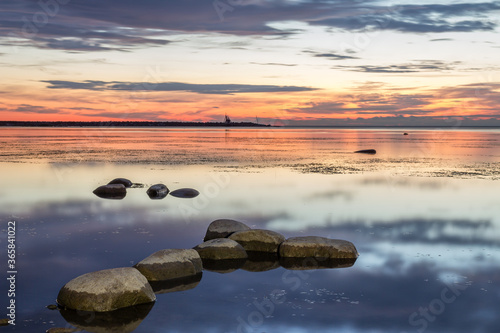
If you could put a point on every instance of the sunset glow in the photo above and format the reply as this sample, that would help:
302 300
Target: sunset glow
296 63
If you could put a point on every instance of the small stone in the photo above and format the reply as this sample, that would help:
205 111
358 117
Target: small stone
170 264
366 151
124 181
223 228
185 193
52 307
4 322
220 249
113 191
158 191
106 290
317 247
405 133
258 240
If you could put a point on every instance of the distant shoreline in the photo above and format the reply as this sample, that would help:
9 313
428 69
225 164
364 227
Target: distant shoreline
126 124
160 124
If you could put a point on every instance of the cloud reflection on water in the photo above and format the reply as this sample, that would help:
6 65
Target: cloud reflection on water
403 266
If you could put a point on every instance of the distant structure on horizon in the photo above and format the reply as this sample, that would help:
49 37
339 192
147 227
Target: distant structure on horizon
227 120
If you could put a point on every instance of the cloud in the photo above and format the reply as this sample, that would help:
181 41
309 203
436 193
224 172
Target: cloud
420 66
334 56
147 116
222 89
27 108
272 64
375 103
427 18
92 25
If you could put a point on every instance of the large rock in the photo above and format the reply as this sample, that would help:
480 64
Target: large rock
113 191
317 247
124 181
258 240
106 290
223 228
170 264
220 249
157 191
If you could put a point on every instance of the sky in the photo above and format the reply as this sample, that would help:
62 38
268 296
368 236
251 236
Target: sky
283 62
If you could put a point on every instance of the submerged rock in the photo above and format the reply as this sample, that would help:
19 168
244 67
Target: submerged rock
317 247
51 307
124 181
258 240
223 227
366 151
62 330
223 266
113 191
185 193
173 285
4 321
158 191
220 249
261 262
106 290
405 133
170 264
315 263
119 321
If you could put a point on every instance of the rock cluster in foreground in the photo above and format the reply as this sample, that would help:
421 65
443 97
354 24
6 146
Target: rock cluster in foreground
228 245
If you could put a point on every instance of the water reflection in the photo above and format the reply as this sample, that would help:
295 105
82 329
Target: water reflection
419 237
178 284
119 321
402 267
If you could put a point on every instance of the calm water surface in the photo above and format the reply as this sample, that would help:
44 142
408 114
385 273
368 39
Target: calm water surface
424 213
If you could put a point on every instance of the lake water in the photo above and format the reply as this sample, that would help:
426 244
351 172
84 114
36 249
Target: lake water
424 214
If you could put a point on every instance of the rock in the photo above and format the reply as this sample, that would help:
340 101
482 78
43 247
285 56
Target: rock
405 133
119 321
124 181
220 249
170 264
173 285
185 193
158 191
51 307
106 290
4 322
113 191
223 228
258 240
261 262
366 151
317 247
221 255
